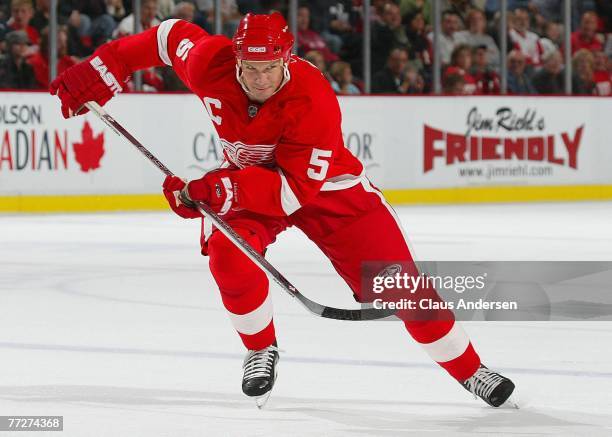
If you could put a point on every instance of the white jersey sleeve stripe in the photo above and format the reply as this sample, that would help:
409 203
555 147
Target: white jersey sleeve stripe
162 40
342 182
255 321
289 200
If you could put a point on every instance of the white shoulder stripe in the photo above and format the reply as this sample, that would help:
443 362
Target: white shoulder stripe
162 40
289 200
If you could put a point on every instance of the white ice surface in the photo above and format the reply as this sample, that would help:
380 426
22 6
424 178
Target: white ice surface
113 321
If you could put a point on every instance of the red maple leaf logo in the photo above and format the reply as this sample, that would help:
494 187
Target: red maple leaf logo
90 150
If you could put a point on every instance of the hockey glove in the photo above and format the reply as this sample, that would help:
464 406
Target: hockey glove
216 189
173 185
99 78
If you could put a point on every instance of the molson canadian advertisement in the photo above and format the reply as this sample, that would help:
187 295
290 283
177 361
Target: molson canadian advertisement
43 154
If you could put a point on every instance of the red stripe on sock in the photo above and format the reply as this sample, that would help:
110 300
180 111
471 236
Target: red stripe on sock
464 366
262 339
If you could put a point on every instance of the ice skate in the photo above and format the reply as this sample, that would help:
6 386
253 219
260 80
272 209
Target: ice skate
260 373
491 387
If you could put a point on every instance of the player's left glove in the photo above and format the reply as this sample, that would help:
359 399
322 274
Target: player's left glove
98 79
217 189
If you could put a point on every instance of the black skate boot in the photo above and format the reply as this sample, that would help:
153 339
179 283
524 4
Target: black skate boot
490 386
260 373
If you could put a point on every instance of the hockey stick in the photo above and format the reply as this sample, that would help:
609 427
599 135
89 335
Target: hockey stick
256 257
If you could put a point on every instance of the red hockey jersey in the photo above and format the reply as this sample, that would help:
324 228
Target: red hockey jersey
285 150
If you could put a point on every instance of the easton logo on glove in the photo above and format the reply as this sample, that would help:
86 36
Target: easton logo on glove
109 78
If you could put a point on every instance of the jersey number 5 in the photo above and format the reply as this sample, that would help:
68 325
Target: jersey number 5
182 50
320 165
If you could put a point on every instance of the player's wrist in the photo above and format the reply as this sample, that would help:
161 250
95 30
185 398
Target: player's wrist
185 198
109 68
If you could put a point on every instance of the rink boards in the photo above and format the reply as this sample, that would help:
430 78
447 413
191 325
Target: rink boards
418 149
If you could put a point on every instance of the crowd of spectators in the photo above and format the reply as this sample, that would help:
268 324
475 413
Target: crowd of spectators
330 36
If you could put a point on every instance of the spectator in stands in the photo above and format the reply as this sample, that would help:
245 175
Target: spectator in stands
387 36
478 4
453 85
448 38
546 11
586 37
116 10
335 21
308 39
230 14
602 76
15 72
93 20
476 36
492 7
549 79
22 12
551 40
316 58
377 9
415 79
184 11
420 48
523 39
152 80
165 8
40 60
487 80
343 79
412 7
393 78
582 72
461 63
40 19
579 7
459 7
148 19
79 25
518 80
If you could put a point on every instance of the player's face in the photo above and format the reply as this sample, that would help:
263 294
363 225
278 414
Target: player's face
262 78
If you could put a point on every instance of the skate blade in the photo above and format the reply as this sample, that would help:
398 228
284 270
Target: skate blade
261 401
511 403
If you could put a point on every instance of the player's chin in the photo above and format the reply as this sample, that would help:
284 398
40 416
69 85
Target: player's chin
262 95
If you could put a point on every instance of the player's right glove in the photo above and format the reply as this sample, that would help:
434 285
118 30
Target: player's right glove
97 79
217 188
173 185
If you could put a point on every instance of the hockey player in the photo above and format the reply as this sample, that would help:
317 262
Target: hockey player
278 121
